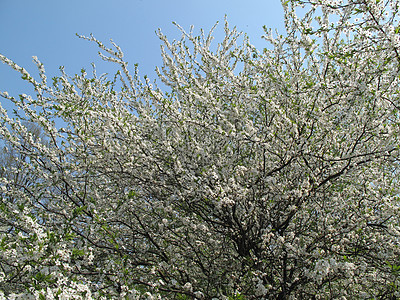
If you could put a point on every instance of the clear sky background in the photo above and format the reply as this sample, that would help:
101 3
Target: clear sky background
46 29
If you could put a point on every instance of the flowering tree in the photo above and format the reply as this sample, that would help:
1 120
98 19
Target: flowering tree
267 174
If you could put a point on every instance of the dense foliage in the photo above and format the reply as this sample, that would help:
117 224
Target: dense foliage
256 174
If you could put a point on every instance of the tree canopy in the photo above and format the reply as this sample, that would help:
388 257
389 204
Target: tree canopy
251 174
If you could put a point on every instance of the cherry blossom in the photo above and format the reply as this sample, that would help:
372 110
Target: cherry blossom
244 174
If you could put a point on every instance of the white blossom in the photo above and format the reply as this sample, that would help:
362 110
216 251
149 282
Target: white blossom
269 173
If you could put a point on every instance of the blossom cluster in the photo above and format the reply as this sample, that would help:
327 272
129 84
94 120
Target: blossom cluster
252 174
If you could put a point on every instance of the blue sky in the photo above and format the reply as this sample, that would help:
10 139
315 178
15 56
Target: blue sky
46 29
